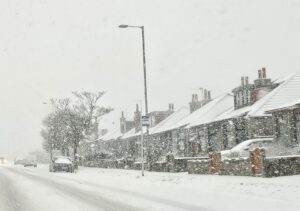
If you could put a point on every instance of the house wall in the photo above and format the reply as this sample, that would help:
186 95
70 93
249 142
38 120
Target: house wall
259 126
160 145
179 142
286 125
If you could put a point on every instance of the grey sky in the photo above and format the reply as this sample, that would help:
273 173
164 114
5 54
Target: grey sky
49 48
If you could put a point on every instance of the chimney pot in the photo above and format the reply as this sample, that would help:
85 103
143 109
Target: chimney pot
137 107
246 80
205 94
259 74
242 81
264 74
171 106
209 95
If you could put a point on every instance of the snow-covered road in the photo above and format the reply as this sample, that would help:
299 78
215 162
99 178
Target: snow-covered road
35 189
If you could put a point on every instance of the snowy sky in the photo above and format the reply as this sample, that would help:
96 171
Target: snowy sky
49 48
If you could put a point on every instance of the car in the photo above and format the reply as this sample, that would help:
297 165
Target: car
61 163
19 161
3 160
243 148
30 163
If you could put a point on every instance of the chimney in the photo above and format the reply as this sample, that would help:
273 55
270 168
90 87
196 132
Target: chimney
264 74
209 95
246 80
259 74
205 94
196 98
171 107
122 114
242 81
137 107
202 94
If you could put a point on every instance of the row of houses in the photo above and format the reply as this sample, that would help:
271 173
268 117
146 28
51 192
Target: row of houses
263 108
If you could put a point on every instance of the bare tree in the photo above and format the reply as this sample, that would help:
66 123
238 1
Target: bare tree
69 124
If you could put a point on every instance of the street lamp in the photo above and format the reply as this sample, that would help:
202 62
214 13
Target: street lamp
144 64
145 90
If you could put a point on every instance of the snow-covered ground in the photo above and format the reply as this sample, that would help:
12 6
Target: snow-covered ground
111 189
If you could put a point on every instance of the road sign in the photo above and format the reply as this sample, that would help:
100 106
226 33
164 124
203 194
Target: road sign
145 121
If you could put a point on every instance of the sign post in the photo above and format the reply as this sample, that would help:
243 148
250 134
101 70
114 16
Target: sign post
144 122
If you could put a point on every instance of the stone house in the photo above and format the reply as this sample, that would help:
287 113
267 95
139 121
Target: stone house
125 139
248 119
175 136
214 124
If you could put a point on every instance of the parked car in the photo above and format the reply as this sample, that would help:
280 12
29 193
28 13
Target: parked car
19 161
30 163
2 160
61 163
242 149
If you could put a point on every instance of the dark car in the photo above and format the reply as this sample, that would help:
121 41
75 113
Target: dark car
30 163
19 161
61 163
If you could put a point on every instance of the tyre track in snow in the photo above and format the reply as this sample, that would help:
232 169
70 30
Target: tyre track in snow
93 197
10 198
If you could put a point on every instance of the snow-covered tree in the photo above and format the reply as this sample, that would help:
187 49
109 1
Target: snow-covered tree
69 123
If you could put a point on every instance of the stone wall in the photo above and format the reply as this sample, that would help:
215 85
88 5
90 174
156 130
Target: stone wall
241 167
238 167
102 163
174 164
198 166
281 166
262 166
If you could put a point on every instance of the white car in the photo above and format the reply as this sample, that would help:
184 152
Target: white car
61 163
243 148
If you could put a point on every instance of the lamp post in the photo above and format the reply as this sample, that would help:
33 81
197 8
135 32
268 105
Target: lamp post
144 65
145 90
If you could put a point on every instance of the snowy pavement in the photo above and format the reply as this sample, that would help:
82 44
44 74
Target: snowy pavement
36 189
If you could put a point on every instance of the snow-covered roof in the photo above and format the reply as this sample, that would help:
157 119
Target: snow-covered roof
232 113
201 116
211 110
291 105
129 134
112 135
171 120
288 91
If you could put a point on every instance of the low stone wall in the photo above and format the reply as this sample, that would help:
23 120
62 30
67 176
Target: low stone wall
265 167
173 164
260 166
138 166
180 164
159 166
240 167
198 166
281 166
103 163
